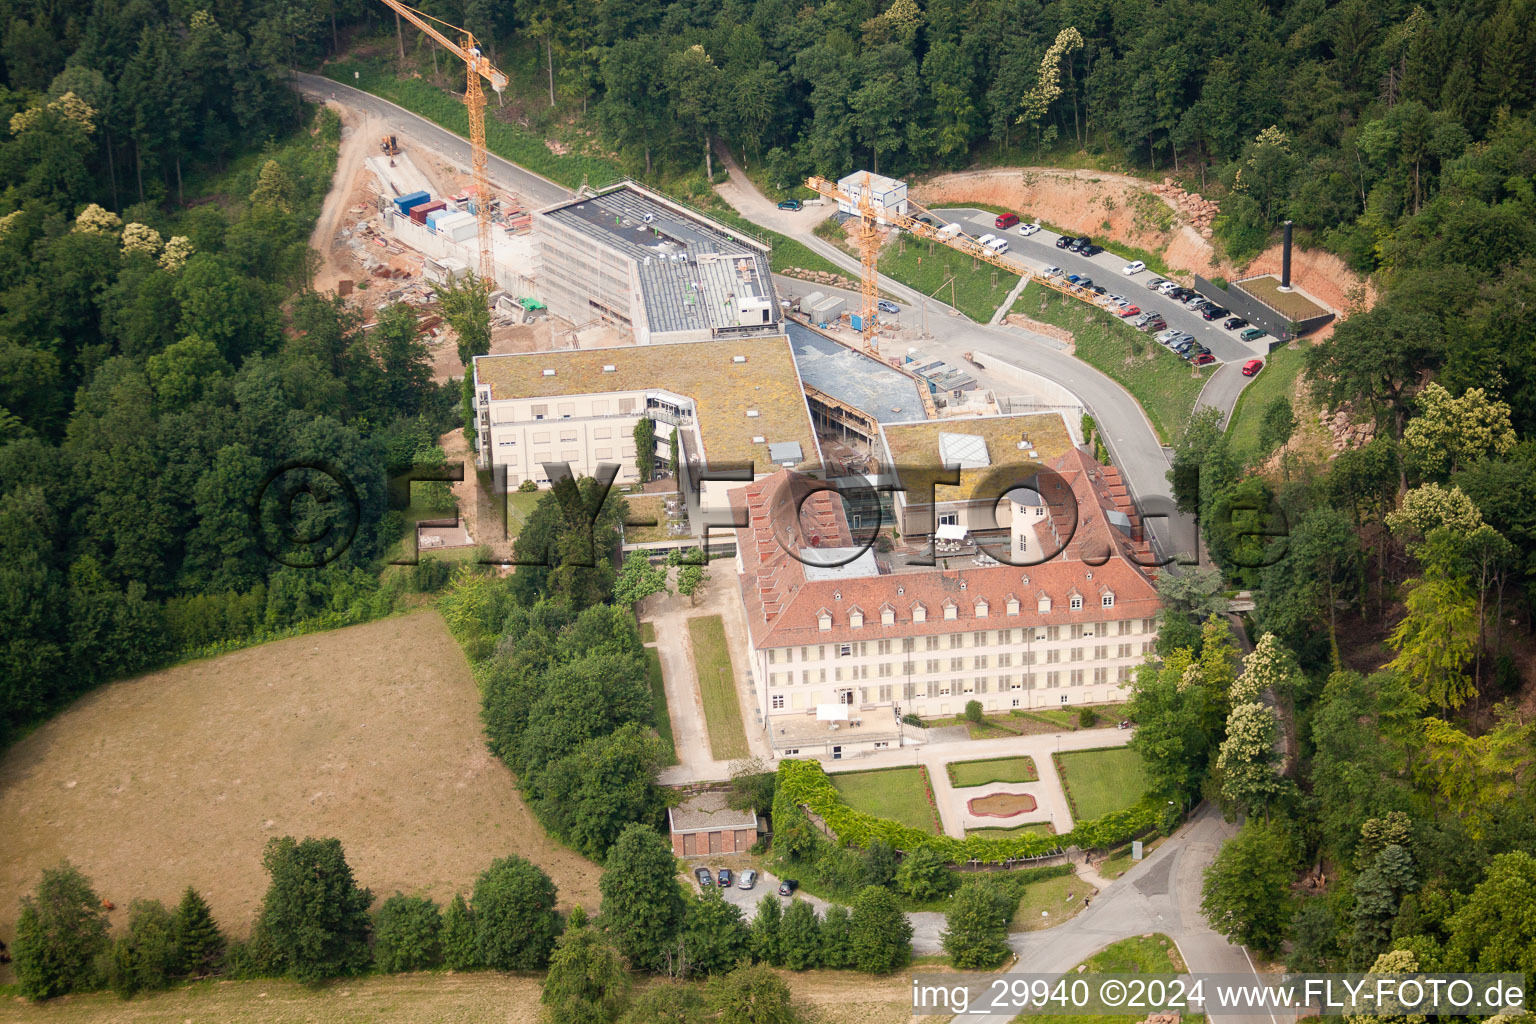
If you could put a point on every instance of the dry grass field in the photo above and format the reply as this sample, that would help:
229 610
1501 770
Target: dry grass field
370 734
830 997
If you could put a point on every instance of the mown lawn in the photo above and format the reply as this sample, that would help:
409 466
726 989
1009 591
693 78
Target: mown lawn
1143 954
900 794
996 769
928 267
1047 903
1037 828
1278 379
663 718
1164 385
717 688
1101 781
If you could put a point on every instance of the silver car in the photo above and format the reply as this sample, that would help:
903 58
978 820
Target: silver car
748 879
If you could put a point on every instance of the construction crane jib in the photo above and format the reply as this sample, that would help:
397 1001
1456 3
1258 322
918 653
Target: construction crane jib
869 247
478 66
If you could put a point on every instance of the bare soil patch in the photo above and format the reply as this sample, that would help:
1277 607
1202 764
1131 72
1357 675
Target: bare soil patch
1001 805
370 734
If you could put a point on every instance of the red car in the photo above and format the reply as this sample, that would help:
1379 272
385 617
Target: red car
1204 359
1252 367
1130 311
1005 220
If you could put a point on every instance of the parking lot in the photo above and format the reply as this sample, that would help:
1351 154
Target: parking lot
1039 251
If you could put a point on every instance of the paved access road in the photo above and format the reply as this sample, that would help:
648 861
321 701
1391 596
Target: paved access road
536 189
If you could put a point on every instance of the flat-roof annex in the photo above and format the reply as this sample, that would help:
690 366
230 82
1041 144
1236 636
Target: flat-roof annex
695 274
706 372
916 452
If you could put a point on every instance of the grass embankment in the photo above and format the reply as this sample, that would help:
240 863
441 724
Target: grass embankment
971 286
1099 782
996 769
717 687
1278 379
659 697
901 794
1165 385
1049 902
1144 954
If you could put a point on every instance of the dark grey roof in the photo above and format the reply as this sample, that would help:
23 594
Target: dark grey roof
888 395
706 812
690 272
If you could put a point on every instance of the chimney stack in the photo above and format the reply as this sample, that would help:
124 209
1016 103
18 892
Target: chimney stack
1285 260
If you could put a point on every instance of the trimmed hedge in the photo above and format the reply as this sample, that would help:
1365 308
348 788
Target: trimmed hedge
806 784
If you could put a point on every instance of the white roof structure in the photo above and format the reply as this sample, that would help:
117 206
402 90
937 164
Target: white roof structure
832 712
951 531
841 563
968 451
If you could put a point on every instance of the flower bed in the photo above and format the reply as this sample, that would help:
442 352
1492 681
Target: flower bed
806 784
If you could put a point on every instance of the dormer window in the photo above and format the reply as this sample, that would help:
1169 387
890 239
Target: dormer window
1044 604
824 619
981 609
919 613
1077 602
856 619
951 610
1013 606
1108 600
887 615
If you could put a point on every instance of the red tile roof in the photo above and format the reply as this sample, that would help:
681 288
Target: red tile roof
783 606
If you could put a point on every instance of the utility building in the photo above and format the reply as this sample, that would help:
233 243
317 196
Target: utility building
886 195
632 257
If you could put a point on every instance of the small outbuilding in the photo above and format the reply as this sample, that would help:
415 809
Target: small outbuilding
702 825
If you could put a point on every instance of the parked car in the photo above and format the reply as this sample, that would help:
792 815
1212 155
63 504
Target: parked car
888 307
748 879
1130 310
1252 334
1091 250
1168 287
1156 283
1078 244
1183 345
1234 322
1214 312
790 204
1201 349
1051 271
1073 278
1065 241
1005 220
998 245
1119 300
1085 282
1028 229
1165 336
1181 339
788 886
925 219
1133 268
706 880
1096 289
1204 359
1252 367
987 239
1155 324
725 878
1180 294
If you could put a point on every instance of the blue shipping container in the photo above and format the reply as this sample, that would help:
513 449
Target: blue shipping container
404 203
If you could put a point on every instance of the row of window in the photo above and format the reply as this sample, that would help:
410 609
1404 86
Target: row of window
933 666
979 610
887 693
978 638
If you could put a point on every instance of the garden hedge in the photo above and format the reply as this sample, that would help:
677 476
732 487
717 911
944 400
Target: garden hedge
806 784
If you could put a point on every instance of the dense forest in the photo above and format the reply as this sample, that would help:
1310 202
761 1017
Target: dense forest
159 353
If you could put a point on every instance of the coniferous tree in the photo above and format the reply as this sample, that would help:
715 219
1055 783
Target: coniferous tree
460 951
199 943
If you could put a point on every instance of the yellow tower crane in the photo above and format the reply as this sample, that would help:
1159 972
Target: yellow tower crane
479 66
869 249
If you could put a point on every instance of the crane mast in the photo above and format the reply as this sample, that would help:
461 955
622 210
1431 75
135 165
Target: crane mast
478 66
869 249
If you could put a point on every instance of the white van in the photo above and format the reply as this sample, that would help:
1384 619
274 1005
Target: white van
999 245
950 230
